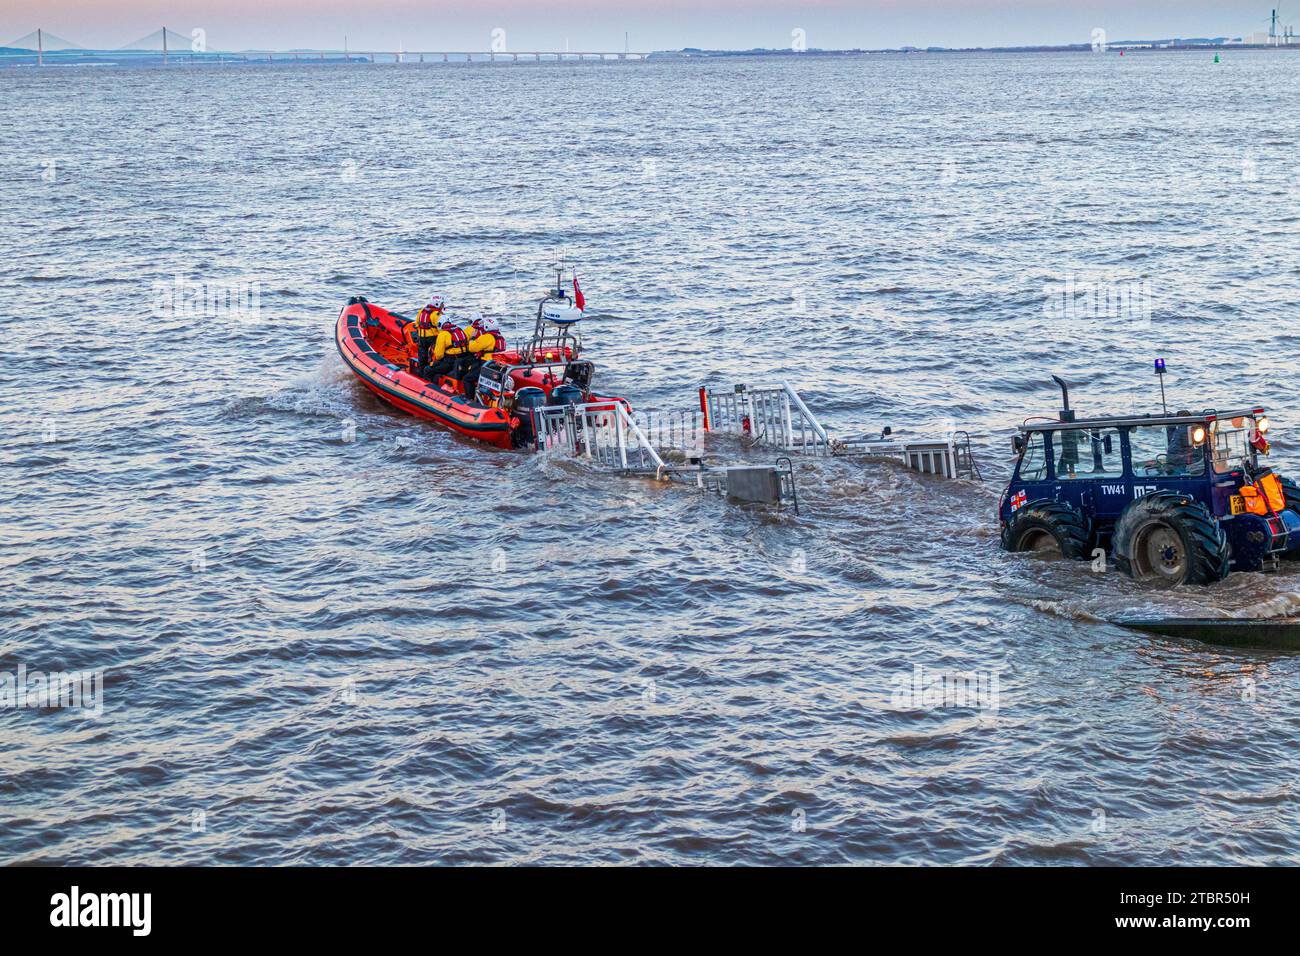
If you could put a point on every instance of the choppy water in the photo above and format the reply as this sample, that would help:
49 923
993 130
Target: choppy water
304 639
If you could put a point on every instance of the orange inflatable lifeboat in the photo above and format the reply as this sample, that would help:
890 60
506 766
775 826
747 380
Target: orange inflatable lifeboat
547 371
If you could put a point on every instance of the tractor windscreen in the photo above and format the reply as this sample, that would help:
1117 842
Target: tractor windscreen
1232 446
1170 451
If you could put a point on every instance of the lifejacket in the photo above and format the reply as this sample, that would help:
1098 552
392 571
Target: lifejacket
459 342
1265 496
498 344
425 327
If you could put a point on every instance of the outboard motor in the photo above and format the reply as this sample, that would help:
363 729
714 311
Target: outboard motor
580 374
527 399
566 394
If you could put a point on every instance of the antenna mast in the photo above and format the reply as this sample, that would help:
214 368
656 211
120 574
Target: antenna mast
559 273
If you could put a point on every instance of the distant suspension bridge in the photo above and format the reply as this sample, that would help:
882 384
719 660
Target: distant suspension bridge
40 47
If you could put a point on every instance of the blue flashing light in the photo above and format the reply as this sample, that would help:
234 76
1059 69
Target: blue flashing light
1160 366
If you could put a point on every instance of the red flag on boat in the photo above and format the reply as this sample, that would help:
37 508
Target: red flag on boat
578 298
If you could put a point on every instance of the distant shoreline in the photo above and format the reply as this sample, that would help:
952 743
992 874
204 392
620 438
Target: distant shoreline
1128 46
10 56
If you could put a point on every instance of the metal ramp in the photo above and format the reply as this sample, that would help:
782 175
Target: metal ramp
776 417
666 446
670 445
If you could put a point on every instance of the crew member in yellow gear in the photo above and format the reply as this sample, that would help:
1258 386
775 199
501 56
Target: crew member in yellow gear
450 349
423 332
486 341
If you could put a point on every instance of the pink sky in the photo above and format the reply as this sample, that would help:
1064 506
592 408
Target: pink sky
668 24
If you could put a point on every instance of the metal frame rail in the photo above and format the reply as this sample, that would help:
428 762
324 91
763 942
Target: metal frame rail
603 432
777 417
609 436
773 416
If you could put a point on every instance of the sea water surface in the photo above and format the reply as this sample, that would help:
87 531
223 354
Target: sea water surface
332 634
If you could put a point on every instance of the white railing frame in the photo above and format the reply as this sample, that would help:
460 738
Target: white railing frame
597 438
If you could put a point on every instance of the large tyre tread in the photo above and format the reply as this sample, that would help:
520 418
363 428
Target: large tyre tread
1209 558
1066 525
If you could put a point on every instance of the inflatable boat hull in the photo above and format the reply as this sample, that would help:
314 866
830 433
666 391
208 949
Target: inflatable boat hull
369 340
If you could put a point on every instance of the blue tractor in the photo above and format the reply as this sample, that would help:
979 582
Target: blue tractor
1174 499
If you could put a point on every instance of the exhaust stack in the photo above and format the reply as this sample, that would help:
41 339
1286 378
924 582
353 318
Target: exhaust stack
1067 413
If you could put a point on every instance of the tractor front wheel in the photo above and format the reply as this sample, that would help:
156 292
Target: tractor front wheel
1169 539
1046 525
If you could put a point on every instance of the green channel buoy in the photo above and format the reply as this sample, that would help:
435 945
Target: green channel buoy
1216 58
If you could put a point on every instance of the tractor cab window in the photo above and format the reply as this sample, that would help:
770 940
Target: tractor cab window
1088 453
1231 446
1033 461
1168 451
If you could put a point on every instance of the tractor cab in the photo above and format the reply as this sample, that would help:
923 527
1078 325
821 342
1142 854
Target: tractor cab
1174 497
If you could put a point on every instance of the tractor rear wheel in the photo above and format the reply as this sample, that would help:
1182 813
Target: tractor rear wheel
1046 525
1168 539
